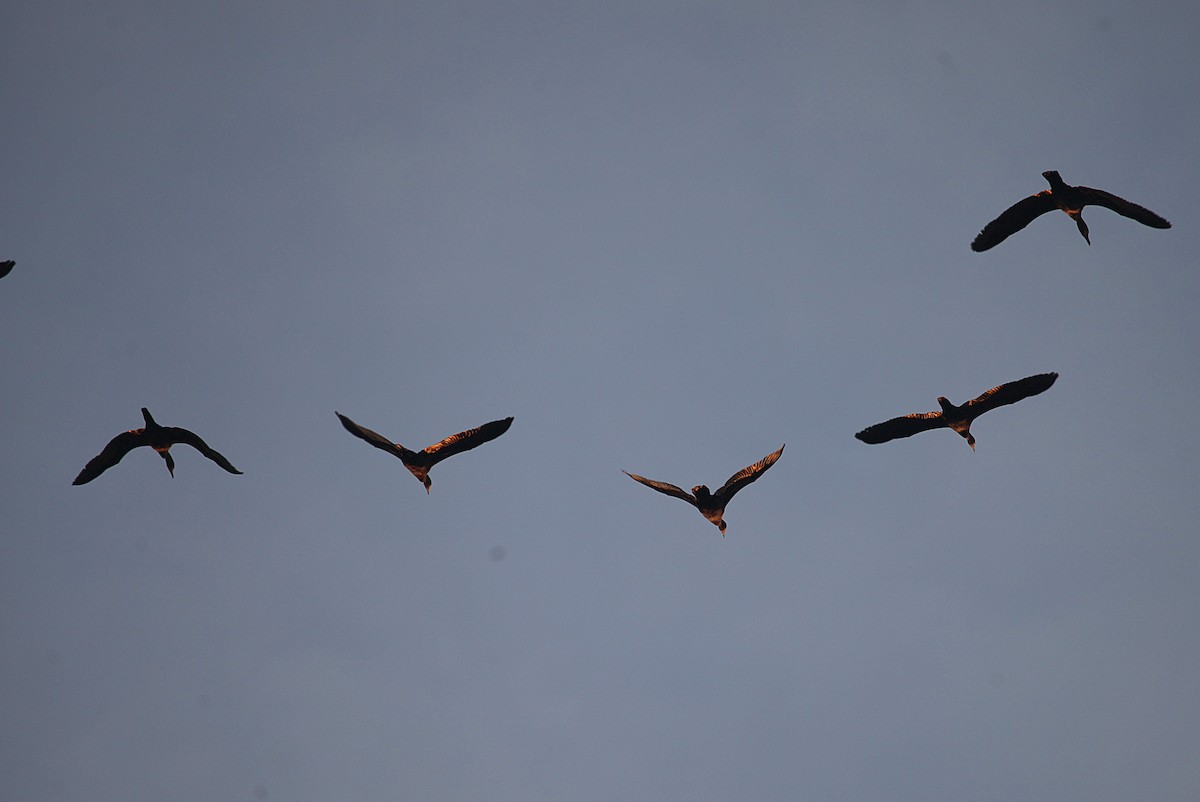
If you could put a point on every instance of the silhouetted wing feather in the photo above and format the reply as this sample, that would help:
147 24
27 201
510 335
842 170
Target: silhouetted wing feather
747 475
1011 393
905 426
465 441
117 448
374 438
663 487
194 440
1013 219
6 267
1098 197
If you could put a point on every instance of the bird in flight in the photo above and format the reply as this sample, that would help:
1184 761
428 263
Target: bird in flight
160 438
957 418
6 267
1067 198
712 505
419 462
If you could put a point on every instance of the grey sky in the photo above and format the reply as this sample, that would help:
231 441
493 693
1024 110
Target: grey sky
667 238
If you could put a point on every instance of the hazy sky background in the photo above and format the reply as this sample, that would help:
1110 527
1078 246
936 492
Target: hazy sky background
668 238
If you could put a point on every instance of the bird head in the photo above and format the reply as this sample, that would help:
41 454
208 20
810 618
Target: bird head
1082 226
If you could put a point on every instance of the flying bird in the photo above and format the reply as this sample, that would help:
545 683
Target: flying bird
957 418
160 438
712 505
6 267
1067 198
419 462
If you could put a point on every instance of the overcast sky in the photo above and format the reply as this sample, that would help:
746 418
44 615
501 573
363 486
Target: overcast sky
667 237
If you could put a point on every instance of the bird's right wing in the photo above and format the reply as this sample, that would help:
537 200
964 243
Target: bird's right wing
1013 219
118 447
1099 197
465 441
374 438
905 426
1011 392
747 475
194 440
663 487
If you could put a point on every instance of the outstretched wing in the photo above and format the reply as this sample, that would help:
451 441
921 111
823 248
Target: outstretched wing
465 441
1013 219
1098 197
374 438
6 267
747 475
905 426
117 448
192 439
1010 393
663 487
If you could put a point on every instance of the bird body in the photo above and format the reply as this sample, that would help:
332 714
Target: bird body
958 418
419 462
712 505
1068 199
159 438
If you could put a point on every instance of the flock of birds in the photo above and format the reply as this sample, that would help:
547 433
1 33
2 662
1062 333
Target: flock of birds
959 418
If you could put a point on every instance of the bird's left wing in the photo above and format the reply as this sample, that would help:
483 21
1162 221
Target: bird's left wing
194 440
1012 220
465 441
117 448
663 487
747 475
1011 392
374 438
1098 197
904 426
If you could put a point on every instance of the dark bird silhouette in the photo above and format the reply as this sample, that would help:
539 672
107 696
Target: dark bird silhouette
957 418
712 505
1060 196
419 462
6 267
160 438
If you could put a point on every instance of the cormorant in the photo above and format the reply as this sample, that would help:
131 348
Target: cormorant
160 438
1060 196
712 505
957 418
419 462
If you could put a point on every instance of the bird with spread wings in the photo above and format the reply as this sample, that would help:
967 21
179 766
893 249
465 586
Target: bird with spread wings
958 418
712 505
419 462
160 438
1070 200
